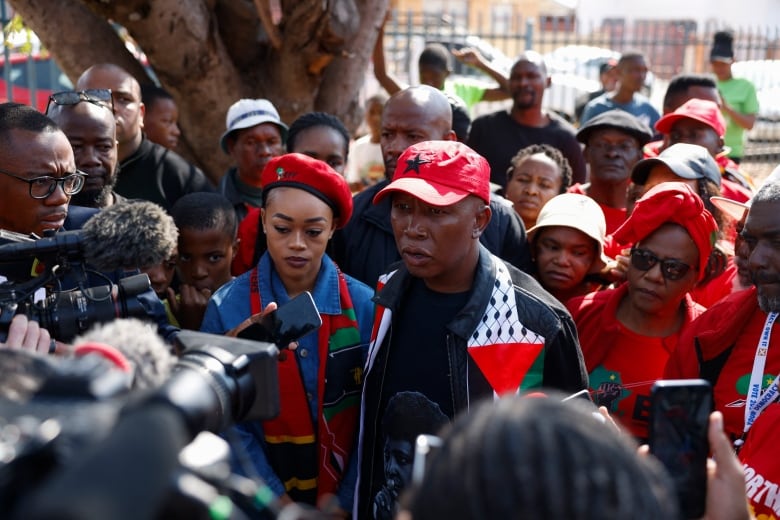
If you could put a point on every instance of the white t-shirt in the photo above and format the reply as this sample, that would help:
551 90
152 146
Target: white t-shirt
365 163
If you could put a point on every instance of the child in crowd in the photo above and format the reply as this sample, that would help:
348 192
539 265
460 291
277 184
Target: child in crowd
207 241
537 173
161 118
568 246
366 166
162 276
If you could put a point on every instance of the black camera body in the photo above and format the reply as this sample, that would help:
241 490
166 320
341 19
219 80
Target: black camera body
78 296
85 440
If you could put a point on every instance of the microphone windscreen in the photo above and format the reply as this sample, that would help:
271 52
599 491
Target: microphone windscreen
129 235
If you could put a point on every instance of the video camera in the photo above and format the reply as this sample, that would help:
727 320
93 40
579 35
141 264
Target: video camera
85 449
80 296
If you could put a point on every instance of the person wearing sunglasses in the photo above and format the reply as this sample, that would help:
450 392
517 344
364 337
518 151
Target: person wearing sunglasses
90 127
149 171
628 333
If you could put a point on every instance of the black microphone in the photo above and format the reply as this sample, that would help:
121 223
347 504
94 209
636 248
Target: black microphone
124 236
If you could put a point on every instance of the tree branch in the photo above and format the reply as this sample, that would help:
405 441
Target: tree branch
69 31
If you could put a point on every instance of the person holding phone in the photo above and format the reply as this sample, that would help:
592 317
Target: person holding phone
305 454
628 333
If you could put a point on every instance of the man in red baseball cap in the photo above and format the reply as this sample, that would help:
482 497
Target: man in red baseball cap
699 121
454 322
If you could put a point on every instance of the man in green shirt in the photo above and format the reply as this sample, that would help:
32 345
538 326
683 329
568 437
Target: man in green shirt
739 102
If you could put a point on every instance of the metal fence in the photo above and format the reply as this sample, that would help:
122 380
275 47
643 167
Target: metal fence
573 55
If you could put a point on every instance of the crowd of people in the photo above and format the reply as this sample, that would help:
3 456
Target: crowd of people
454 267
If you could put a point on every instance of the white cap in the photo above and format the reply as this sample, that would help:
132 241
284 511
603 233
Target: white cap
246 113
579 212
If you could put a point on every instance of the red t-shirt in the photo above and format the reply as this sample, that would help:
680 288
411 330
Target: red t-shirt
731 388
622 365
614 216
759 457
716 289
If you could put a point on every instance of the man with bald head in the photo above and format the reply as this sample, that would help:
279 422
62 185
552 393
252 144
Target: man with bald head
500 135
91 129
365 246
147 170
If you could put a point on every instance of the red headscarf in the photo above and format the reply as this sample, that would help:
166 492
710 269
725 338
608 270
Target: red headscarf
672 202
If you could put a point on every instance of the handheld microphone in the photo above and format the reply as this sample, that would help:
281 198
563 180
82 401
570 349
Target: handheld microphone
127 235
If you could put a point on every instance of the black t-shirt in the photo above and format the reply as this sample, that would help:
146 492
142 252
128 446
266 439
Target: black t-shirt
417 357
497 137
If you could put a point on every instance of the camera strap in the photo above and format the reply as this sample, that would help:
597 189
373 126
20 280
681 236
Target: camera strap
756 399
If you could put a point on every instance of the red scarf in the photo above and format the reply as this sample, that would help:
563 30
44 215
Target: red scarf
311 464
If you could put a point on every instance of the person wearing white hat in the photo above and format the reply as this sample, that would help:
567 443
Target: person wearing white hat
567 245
254 134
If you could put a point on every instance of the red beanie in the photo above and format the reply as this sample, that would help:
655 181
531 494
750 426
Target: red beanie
677 203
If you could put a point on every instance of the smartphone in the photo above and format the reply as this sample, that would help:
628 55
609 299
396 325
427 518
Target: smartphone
289 322
679 417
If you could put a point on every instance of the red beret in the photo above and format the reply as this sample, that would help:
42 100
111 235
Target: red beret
295 170
677 203
440 173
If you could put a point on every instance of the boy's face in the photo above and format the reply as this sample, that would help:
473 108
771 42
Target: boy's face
161 275
204 257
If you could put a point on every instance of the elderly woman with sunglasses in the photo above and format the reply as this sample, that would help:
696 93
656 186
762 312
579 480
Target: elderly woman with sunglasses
628 333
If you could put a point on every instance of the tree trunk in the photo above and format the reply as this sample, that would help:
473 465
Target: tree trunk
210 53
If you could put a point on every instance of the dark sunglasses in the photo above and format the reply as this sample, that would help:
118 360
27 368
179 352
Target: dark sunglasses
670 269
97 96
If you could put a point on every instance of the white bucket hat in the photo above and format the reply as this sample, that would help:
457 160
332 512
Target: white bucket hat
246 113
579 212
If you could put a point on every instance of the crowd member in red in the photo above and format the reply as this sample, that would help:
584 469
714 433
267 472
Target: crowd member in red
613 145
759 460
567 245
699 121
628 333
732 344
738 212
693 165
537 173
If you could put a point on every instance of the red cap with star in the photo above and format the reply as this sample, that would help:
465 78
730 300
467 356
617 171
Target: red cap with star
440 173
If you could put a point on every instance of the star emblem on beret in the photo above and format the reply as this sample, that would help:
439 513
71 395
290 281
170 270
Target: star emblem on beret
414 164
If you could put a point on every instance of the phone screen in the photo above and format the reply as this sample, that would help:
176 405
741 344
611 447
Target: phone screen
678 438
289 322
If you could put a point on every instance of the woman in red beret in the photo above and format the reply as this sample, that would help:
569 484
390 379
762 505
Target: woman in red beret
305 454
628 333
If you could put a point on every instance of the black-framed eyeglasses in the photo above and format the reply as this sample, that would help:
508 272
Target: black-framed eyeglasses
42 187
97 96
672 270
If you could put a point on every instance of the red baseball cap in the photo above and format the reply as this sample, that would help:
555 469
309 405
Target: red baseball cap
300 171
702 110
440 173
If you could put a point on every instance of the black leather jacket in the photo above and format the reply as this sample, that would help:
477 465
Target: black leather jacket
564 368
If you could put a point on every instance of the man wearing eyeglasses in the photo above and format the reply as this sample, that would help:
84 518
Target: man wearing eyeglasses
91 129
148 171
38 176
613 145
